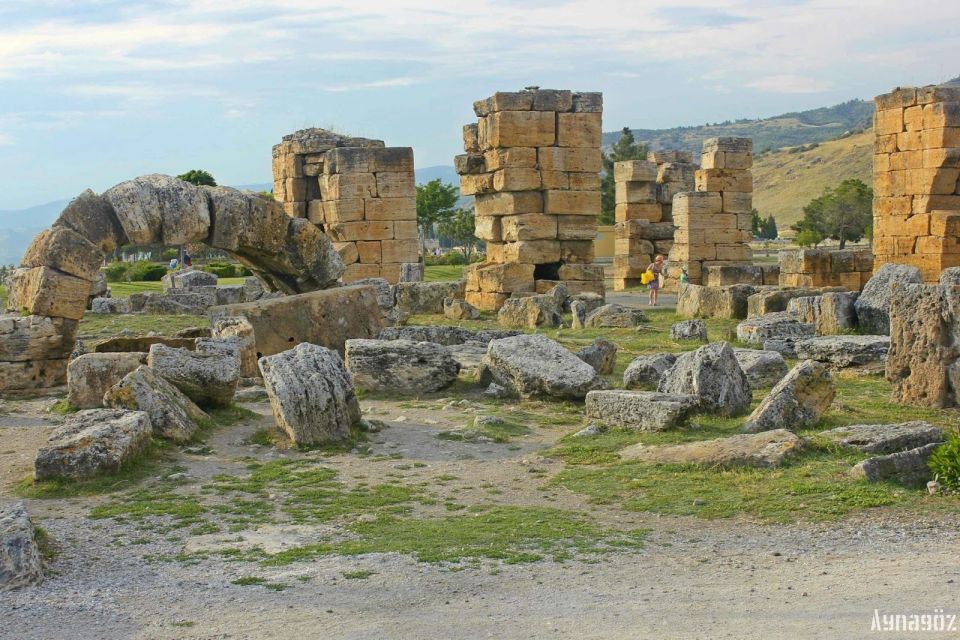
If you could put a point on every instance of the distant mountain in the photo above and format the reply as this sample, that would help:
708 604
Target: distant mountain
786 130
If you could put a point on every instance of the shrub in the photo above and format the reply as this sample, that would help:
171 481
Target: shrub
116 271
945 463
220 269
144 271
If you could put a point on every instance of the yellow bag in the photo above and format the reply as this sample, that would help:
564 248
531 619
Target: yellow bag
647 277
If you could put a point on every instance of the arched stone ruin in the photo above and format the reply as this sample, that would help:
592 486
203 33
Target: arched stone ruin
48 293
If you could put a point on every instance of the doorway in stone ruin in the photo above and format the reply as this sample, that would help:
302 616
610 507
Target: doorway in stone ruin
547 271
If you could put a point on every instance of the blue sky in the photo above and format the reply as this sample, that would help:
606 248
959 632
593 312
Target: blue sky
96 91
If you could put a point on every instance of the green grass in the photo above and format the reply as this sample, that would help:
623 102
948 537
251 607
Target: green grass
496 432
125 289
442 272
146 503
63 408
359 574
109 324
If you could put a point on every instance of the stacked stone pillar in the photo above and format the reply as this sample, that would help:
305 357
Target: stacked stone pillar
359 192
916 175
532 163
644 213
714 223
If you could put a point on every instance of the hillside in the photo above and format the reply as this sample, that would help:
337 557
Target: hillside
787 179
785 130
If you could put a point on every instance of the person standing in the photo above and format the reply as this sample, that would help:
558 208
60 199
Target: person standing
656 269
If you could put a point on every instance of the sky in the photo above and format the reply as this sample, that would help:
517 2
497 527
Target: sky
93 92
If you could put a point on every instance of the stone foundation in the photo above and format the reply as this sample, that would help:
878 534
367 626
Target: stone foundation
849 268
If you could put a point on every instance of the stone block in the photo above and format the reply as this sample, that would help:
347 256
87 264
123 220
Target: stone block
513 157
47 292
635 171
504 101
366 230
396 184
397 251
579 130
337 211
521 129
66 251
580 159
530 226
532 251
516 179
501 204
578 203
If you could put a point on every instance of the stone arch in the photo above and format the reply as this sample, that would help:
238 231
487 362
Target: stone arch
48 293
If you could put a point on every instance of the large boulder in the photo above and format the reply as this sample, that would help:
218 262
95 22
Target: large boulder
427 297
33 337
400 366
796 402
188 278
311 393
615 316
773 326
885 438
328 318
601 354
689 330
172 414
533 365
906 467
158 209
21 564
713 374
386 296
208 378
644 372
240 328
641 410
445 335
91 442
844 351
831 313
44 291
93 217
764 450
529 312
764 368
110 305
696 301
873 304
774 299
66 251
90 375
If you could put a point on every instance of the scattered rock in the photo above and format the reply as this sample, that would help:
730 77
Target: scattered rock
578 313
885 438
764 368
873 304
615 316
713 374
831 313
92 374
400 366
765 450
427 297
311 393
796 402
459 309
172 414
488 421
909 467
645 371
601 355
696 301
773 326
588 299
536 365
386 297
255 393
91 442
209 379
642 410
21 564
786 347
110 305
188 278
240 329
494 390
689 330
590 431
844 351
530 312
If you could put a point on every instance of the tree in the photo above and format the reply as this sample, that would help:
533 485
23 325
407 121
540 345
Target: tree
768 231
199 177
626 148
841 213
459 228
756 224
436 202
808 238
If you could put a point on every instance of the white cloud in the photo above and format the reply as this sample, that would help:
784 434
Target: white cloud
375 84
789 84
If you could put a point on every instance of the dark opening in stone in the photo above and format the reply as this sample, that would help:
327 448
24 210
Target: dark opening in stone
548 271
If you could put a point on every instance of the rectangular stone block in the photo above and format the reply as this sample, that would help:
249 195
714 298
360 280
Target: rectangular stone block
913 118
941 158
635 171
398 251
928 203
897 99
66 251
945 224
514 157
488 229
940 114
576 227
502 204
587 102
577 203
910 140
387 209
724 180
295 209
504 101
33 374
580 181
498 278
555 179
693 203
632 246
476 184
336 211
348 160
392 160
24 338
635 192
579 130
44 291
737 202
532 251
516 179
552 100
902 160
348 252
528 226
885 144
471 143
469 163
359 271
295 189
366 230
369 251
405 230
521 129
495 252
624 212
486 301
587 272
396 184
343 186
888 121
581 159
577 251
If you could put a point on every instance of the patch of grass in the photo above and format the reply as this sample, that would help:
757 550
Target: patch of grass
443 272
500 433
359 574
139 505
185 624
263 437
276 586
247 581
109 324
45 544
63 407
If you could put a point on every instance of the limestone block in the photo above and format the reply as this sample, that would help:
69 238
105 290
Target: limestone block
578 130
516 179
488 228
386 209
93 217
589 102
532 251
369 251
501 204
348 252
348 185
474 184
90 375
47 292
523 129
348 160
337 211
397 251
37 337
579 159
471 144
508 277
92 442
578 203
366 230
624 212
66 251
392 159
712 180
576 227
530 226
635 192
396 184
504 101
360 271
513 157
555 179
635 171
696 203
583 181
160 209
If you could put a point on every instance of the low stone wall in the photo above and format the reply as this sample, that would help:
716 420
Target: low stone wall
847 268
756 275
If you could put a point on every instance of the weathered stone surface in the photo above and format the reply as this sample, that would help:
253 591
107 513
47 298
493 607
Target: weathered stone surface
427 297
950 277
33 374
615 316
32 337
176 303
764 450
796 402
156 209
469 355
885 438
240 328
93 217
400 366
873 304
66 251
311 393
713 374
172 414
386 297
328 318
99 288
645 371
844 351
696 301
141 343
534 365
444 335
91 442
906 467
194 332
588 299
110 305
763 368
831 313
230 294
188 278
21 564
44 291
459 309
209 379
689 330
770 300
773 326
252 289
601 354
642 410
90 375
784 346
578 314
529 312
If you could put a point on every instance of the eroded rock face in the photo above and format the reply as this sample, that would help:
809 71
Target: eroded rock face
400 366
642 410
796 402
445 335
533 365
689 330
172 414
873 304
33 337
764 450
311 393
459 310
773 326
208 378
66 251
885 438
241 329
90 375
615 316
645 371
188 278
427 297
110 305
386 297
92 442
160 209
696 301
906 467
844 351
578 314
92 216
832 313
529 312
713 374
764 368
21 564
601 354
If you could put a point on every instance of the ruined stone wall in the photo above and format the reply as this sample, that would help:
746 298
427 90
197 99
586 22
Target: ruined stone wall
849 268
713 223
532 162
644 191
359 192
916 207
